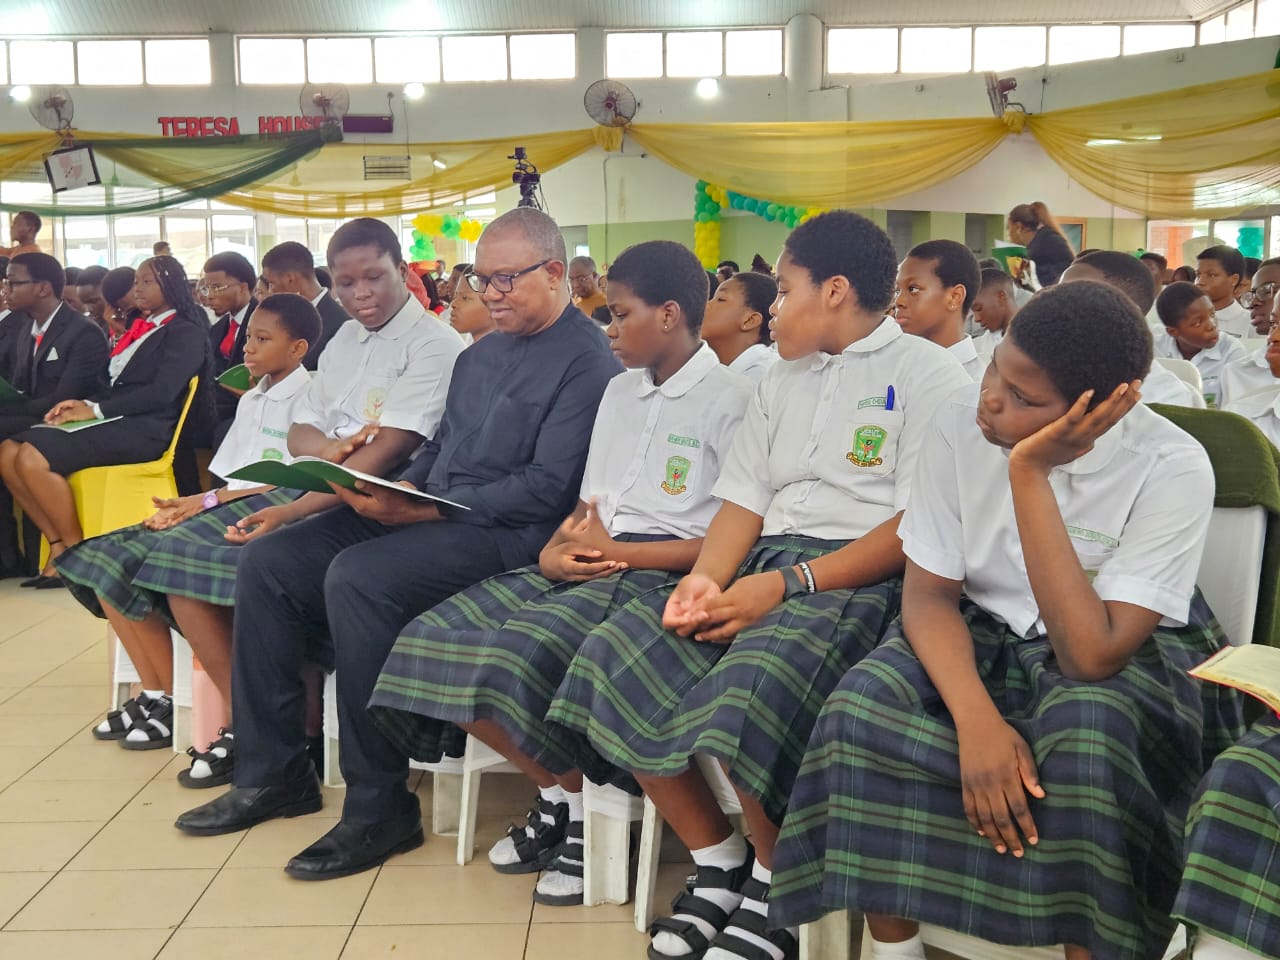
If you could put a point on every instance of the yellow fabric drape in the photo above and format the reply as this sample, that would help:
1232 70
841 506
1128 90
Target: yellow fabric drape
1208 150
1202 151
823 164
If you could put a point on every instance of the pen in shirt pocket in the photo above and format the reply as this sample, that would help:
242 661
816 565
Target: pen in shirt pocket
888 398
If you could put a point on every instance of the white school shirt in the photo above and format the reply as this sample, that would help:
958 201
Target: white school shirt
1137 507
1262 408
260 430
656 451
966 352
986 342
1247 375
1234 319
819 454
1164 386
754 362
1210 363
398 375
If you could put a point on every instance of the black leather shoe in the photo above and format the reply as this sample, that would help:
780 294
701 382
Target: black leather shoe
355 847
241 807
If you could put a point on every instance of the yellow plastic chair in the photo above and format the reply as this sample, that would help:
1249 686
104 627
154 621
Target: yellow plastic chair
108 498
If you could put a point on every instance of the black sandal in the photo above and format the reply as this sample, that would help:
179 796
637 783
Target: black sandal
570 868
156 729
38 581
134 708
536 852
755 923
219 766
690 904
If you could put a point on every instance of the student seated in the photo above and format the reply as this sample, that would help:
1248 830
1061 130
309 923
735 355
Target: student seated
469 314
150 369
1015 760
1262 405
1219 271
290 268
1252 373
935 287
61 357
736 326
383 380
1127 274
490 658
1191 333
796 581
993 308
1227 897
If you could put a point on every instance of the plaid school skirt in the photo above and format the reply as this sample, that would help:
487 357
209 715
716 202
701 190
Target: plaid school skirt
1231 882
497 652
877 821
126 567
640 698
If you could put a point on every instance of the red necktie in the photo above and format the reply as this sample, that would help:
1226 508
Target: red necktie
229 341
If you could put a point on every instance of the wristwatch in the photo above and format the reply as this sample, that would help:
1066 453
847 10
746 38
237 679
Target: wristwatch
210 500
792 584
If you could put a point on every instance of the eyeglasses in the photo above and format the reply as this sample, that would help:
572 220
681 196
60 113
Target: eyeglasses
206 290
1263 293
502 282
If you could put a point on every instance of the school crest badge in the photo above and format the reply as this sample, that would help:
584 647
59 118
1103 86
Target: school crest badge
677 476
374 401
868 440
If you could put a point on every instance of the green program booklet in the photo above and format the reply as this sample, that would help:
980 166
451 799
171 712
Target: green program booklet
237 378
312 473
8 391
77 425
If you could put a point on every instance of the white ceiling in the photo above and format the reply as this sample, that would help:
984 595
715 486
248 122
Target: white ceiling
161 17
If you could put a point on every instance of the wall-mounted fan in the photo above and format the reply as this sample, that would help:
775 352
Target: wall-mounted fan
610 103
52 107
998 90
330 101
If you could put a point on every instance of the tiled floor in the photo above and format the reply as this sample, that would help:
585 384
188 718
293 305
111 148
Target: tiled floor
91 866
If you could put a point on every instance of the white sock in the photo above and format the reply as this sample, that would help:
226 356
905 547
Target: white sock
153 694
504 852
764 875
553 882
726 855
576 812
912 949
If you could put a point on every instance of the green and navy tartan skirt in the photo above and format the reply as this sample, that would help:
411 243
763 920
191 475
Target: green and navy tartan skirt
134 568
497 651
877 824
1231 881
645 700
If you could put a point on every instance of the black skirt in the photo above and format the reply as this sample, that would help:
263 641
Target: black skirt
129 440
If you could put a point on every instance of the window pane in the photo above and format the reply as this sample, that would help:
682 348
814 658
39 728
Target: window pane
862 51
1077 43
1268 23
234 232
42 61
85 242
1214 31
339 60
134 237
407 59
753 53
189 239
1007 48
633 54
543 56
1240 22
475 58
4 61
110 62
178 62
265 60
691 54
1149 37
937 49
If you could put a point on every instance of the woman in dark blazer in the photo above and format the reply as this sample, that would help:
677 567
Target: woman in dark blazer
150 369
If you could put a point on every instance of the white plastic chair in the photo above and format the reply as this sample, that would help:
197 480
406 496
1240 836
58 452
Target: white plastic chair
651 841
606 845
1228 578
1184 370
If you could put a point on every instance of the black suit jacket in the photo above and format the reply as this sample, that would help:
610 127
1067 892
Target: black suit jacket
332 316
69 364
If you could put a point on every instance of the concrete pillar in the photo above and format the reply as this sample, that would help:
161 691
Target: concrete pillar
802 63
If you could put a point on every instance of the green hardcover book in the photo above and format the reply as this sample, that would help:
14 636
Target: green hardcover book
314 474
1010 257
77 425
8 391
237 378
